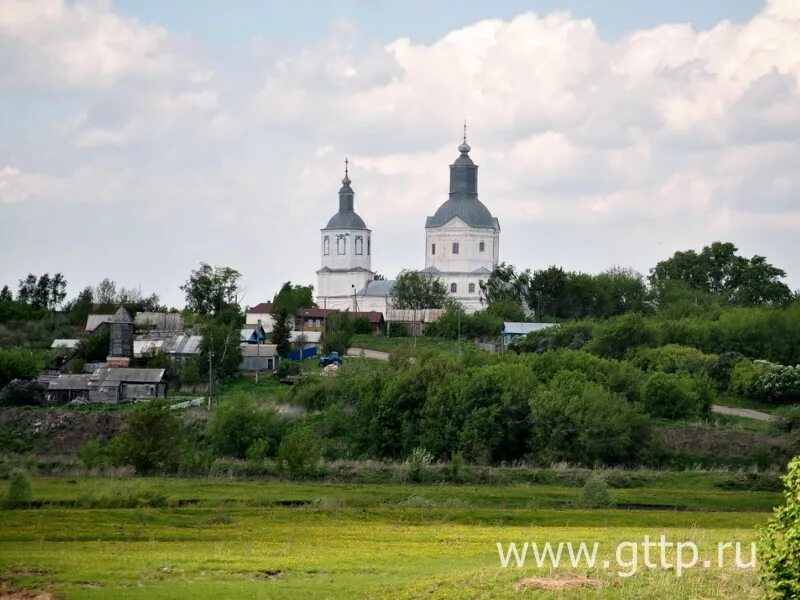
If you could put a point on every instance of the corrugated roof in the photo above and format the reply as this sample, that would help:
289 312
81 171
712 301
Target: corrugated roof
378 287
114 375
141 347
267 350
523 328
67 381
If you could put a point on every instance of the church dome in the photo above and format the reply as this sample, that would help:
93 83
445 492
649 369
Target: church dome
463 201
346 218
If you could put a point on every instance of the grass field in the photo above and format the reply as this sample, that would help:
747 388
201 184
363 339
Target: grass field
420 344
219 539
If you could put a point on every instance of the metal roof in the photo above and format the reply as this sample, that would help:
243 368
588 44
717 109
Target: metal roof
515 328
255 350
346 218
70 382
114 376
378 287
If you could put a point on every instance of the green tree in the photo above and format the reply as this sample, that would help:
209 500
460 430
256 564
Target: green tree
294 297
415 290
18 363
718 269
338 333
506 285
619 335
152 438
221 348
6 295
780 542
18 494
281 334
209 290
95 347
677 395
27 289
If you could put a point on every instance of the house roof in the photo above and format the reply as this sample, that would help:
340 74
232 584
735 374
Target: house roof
114 375
181 343
121 316
67 381
514 328
95 321
262 308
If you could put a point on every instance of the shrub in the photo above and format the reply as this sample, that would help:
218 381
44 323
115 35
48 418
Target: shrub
238 424
93 455
744 376
572 335
780 542
721 368
455 467
677 396
18 364
18 494
361 325
787 419
595 493
300 453
152 438
618 335
416 462
22 393
288 368
780 384
576 420
396 330
674 358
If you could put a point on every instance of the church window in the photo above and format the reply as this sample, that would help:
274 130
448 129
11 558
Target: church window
326 245
472 287
455 247
481 246
369 245
453 288
359 245
433 249
341 245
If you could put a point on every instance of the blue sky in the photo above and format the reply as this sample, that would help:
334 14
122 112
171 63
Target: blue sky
138 138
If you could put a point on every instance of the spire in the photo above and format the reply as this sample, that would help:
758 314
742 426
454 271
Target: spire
464 148
346 192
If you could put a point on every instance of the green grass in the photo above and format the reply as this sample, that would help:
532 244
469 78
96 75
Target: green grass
306 540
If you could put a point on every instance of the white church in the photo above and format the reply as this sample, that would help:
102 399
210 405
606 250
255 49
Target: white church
462 245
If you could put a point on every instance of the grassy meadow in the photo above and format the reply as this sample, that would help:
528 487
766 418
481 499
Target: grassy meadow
174 538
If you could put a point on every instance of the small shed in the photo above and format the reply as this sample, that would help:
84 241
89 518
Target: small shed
67 387
259 357
114 385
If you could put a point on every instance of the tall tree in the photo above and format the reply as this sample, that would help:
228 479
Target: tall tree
282 331
209 290
58 290
6 295
27 288
416 290
106 292
294 297
506 284
718 269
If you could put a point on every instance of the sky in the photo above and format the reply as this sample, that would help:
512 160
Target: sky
141 137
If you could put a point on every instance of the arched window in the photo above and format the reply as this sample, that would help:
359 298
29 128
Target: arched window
453 288
359 245
326 245
481 247
472 287
341 244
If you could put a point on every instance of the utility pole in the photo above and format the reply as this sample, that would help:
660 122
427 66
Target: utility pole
210 374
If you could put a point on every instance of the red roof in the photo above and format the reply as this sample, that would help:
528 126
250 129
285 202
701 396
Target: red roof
264 307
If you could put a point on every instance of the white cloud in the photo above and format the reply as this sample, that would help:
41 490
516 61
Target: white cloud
668 134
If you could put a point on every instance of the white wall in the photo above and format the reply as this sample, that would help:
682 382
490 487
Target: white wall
348 260
469 257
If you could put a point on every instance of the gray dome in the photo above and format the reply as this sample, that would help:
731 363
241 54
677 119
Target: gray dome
346 219
470 210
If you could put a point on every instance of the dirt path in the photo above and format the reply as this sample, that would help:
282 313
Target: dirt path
365 353
747 413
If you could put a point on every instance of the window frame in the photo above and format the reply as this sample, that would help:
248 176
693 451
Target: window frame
456 248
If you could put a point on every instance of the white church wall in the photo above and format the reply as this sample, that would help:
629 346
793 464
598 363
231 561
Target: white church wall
469 256
346 248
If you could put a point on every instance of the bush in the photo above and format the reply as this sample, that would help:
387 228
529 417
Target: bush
579 421
572 335
152 438
300 453
238 424
780 542
787 419
416 462
288 368
674 358
18 494
18 364
22 393
396 330
744 376
595 493
618 335
361 325
780 384
677 396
